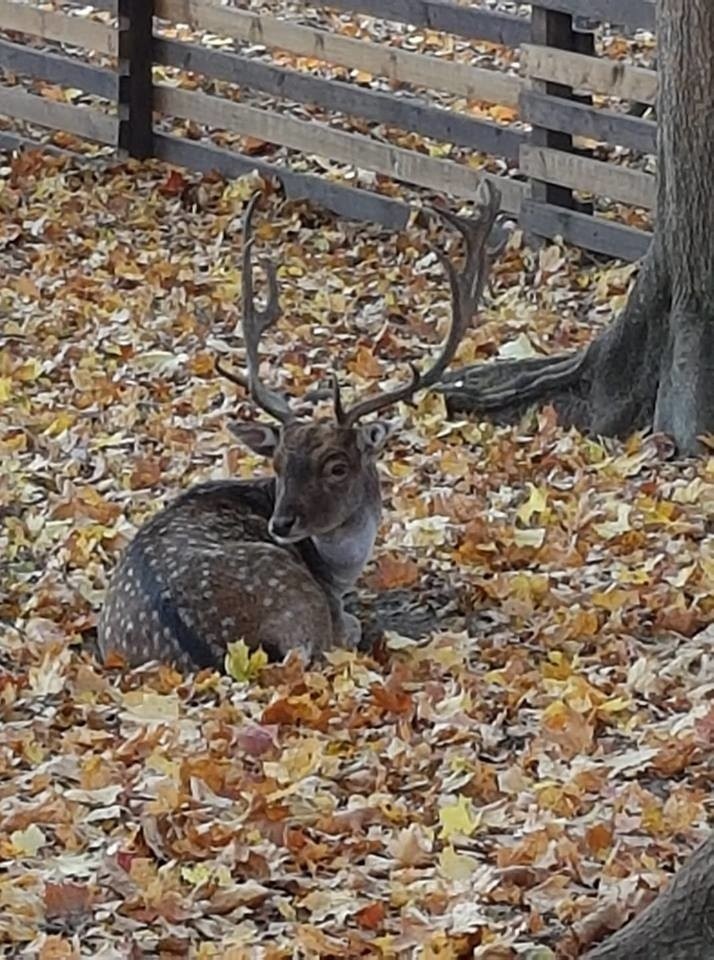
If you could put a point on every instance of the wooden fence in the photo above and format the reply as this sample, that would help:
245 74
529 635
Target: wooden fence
127 72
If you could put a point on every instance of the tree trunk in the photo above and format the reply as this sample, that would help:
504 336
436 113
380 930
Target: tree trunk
678 925
655 365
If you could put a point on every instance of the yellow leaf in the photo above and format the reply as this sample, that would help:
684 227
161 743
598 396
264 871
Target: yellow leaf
615 599
614 528
534 537
243 188
456 866
457 819
536 503
29 371
296 763
5 389
153 707
503 114
195 876
63 421
616 705
243 665
27 842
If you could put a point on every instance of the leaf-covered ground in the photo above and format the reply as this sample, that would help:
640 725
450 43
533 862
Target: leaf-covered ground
515 782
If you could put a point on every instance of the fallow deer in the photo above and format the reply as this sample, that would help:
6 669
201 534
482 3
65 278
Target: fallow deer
269 560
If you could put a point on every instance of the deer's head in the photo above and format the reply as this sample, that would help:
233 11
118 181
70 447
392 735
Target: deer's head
325 470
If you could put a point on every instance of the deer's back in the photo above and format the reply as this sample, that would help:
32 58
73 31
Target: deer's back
205 572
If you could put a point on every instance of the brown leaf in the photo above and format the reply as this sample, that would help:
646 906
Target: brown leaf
146 472
68 901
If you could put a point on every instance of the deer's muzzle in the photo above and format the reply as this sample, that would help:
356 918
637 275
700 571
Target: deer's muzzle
284 526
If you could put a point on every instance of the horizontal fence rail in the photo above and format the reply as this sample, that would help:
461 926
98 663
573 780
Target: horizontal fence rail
501 28
576 70
409 115
60 27
552 145
398 66
315 138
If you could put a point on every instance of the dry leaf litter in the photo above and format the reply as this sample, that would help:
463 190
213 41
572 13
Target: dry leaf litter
512 782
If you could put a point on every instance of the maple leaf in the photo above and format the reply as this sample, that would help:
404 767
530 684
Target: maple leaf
457 819
28 842
242 664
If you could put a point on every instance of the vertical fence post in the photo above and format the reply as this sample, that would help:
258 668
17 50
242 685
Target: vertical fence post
551 28
136 128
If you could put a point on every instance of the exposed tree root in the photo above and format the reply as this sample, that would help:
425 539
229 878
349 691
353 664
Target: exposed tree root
611 387
513 382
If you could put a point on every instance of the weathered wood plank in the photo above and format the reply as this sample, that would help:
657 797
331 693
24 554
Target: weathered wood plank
591 176
398 111
628 13
82 121
608 77
585 121
77 31
474 83
582 230
54 68
352 148
108 6
478 24
16 141
344 201
136 40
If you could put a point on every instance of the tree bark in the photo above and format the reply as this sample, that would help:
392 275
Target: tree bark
678 925
655 365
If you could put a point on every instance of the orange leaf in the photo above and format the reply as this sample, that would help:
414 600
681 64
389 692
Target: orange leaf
568 728
146 473
365 364
503 114
174 185
599 839
371 917
254 145
391 700
394 572
57 948
114 661
300 709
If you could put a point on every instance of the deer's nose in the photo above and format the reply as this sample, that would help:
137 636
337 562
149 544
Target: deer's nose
282 525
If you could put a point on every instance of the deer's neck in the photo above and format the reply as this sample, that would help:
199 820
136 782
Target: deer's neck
344 551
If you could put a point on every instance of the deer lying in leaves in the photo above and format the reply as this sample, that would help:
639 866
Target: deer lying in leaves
269 560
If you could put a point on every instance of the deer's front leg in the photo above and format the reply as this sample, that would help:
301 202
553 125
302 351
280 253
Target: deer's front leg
351 634
346 628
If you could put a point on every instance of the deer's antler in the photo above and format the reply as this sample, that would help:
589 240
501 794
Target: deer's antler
467 287
255 323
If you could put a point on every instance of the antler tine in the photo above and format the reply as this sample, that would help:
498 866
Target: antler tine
337 400
255 323
379 401
466 289
467 285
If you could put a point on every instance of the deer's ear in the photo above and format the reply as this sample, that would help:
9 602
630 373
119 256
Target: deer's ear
371 437
261 438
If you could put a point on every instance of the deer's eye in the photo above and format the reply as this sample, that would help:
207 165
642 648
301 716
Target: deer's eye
336 470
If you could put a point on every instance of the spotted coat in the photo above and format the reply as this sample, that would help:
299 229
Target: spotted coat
205 572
